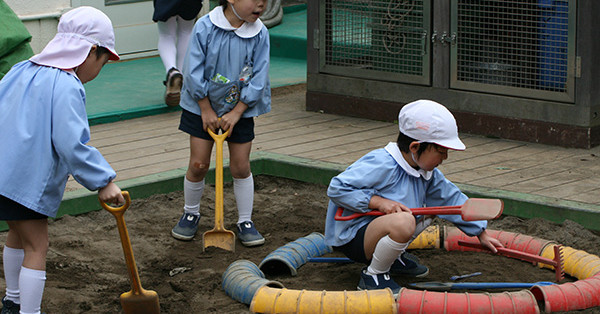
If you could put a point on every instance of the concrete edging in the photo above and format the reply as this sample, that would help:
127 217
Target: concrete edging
313 171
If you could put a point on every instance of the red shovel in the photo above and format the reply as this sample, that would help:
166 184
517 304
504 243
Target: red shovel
472 209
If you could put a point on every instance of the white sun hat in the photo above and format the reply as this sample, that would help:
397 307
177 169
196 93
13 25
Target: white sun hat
429 121
78 30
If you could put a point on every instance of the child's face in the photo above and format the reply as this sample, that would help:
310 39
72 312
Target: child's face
248 10
92 65
432 157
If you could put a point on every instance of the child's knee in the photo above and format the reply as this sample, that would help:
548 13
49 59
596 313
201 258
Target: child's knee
198 169
402 226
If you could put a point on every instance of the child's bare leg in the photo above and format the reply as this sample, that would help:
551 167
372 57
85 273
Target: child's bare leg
32 237
243 188
386 238
193 188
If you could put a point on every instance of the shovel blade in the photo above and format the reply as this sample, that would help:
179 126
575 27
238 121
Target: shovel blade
223 239
482 209
146 302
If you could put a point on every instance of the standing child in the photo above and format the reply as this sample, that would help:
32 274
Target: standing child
175 20
393 179
226 84
43 124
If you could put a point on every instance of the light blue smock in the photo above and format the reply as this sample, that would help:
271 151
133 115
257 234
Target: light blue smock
214 50
379 173
43 132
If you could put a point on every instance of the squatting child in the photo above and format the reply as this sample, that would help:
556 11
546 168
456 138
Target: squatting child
225 85
44 131
392 180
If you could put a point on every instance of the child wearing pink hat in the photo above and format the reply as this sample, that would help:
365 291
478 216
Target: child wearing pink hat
44 126
393 179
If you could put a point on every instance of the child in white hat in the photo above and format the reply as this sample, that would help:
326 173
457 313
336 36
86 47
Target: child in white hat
393 179
44 128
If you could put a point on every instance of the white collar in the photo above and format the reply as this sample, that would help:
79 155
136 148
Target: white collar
392 149
247 30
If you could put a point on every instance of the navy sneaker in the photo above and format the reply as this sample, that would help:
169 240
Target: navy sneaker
410 266
186 227
379 281
248 234
10 307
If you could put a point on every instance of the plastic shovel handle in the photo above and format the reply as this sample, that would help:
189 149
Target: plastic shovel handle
440 210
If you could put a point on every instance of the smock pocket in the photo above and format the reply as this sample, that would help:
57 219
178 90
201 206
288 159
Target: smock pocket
223 96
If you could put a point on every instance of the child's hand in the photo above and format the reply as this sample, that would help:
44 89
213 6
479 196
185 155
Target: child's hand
209 117
111 194
229 120
490 242
387 206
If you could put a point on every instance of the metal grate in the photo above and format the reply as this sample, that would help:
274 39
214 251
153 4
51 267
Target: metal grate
375 38
523 44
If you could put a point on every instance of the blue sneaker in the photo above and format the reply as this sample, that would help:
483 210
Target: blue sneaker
379 281
410 266
186 227
248 235
10 307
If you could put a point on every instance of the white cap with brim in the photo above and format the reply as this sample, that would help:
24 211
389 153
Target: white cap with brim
429 121
78 30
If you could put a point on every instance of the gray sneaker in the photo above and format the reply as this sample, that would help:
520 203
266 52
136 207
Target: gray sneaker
248 235
186 227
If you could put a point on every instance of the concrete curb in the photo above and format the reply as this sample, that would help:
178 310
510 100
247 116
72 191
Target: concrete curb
313 171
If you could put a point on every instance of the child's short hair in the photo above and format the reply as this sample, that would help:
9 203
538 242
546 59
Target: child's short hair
223 3
427 121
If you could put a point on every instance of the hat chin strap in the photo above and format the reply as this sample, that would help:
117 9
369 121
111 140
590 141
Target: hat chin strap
412 155
236 14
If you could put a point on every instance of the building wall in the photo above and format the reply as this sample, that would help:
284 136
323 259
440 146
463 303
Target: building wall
41 18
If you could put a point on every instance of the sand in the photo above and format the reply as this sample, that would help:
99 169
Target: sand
86 270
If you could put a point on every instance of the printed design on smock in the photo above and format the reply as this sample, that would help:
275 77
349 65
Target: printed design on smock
233 95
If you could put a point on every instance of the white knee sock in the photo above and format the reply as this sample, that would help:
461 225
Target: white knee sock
386 252
13 260
192 193
243 189
167 42
184 32
32 284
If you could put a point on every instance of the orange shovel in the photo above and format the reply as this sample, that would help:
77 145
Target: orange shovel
219 236
472 209
137 300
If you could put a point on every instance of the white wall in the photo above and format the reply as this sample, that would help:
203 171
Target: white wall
41 18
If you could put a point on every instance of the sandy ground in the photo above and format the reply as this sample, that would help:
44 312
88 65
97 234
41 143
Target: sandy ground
86 270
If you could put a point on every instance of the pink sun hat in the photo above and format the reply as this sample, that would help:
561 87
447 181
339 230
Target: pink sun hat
78 30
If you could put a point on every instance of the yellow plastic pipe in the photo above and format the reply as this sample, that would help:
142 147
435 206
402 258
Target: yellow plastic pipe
271 300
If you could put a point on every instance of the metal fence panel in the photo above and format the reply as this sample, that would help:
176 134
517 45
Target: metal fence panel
521 48
383 40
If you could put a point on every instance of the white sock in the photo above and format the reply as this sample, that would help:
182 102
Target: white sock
32 284
386 252
243 189
184 32
192 193
13 260
167 42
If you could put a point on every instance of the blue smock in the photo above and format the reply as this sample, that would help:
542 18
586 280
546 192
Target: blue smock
43 132
385 173
224 50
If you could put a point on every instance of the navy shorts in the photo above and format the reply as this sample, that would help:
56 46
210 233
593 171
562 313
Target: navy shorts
11 210
243 131
355 249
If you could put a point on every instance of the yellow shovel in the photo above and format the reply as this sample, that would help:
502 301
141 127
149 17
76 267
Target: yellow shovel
219 236
138 300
